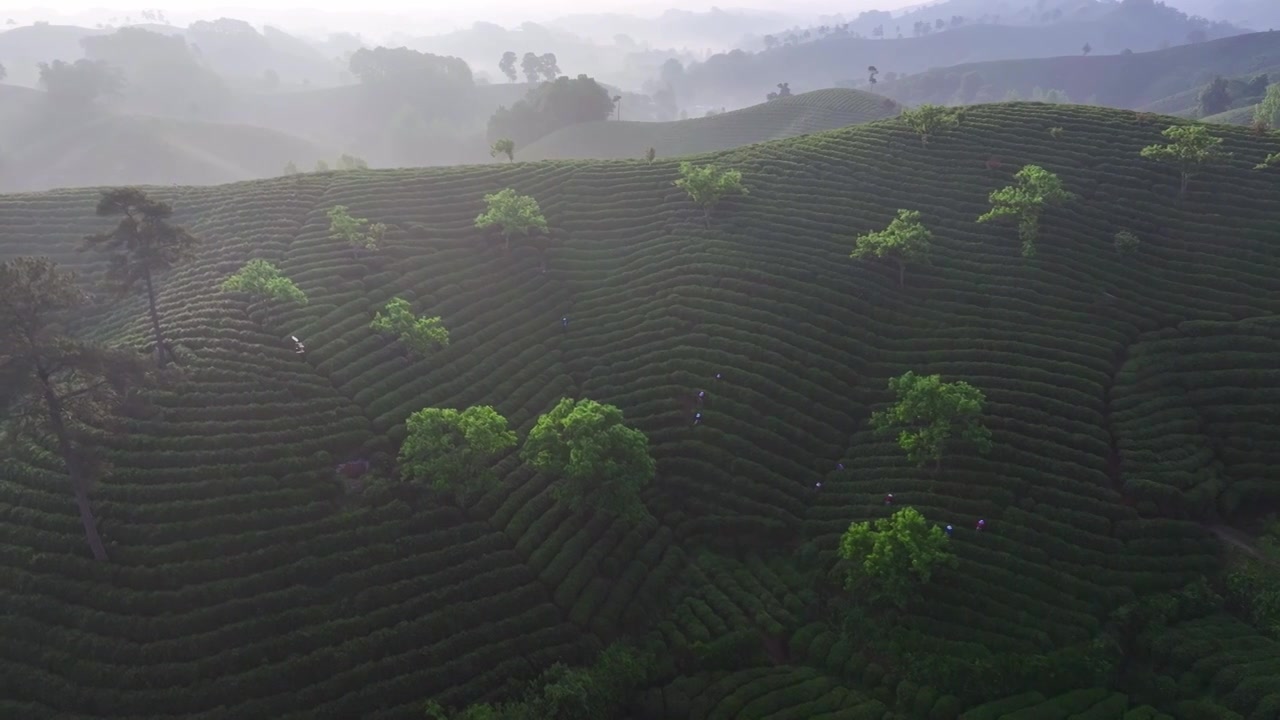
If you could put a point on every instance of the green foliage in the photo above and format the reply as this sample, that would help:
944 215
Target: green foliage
453 450
549 107
290 168
929 412
650 154
351 162
261 278
1267 111
321 166
1126 242
707 185
418 77
1056 133
1036 189
601 463
503 146
1215 97
905 240
1190 148
929 120
513 213
418 334
143 244
1272 160
893 555
355 231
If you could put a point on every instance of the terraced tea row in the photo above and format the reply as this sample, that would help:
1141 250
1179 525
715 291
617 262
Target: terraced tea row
222 505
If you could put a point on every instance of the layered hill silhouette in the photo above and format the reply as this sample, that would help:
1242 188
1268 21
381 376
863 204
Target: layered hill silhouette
739 78
1167 81
41 150
1123 393
781 118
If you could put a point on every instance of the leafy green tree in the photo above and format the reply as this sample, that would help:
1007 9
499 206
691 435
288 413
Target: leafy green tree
1036 189
357 232
929 120
143 244
601 463
1272 160
1215 97
52 385
929 412
503 146
892 556
531 66
508 65
905 240
512 213
650 154
1190 148
1126 242
261 278
321 166
417 334
422 79
707 185
453 450
290 168
549 106
1267 111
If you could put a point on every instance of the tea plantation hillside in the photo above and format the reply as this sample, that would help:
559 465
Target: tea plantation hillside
782 118
1167 81
1131 400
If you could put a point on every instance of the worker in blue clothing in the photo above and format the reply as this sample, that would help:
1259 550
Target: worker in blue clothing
949 530
697 418
564 322
982 524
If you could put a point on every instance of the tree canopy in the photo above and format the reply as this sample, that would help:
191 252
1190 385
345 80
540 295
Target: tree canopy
357 232
417 334
905 240
1215 97
1190 148
261 278
549 107
1035 190
1267 111
512 213
508 65
929 120
79 84
928 413
141 245
891 556
601 463
503 146
52 385
163 73
707 185
452 450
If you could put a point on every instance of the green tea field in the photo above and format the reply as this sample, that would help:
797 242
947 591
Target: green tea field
1133 403
781 118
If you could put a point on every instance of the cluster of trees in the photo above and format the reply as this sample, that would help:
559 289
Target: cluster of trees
345 162
395 75
549 107
164 73
359 233
1220 94
597 461
784 90
74 87
544 66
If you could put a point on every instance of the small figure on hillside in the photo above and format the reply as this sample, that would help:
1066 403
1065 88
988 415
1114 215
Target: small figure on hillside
717 376
564 322
298 347
702 396
839 466
888 499
697 418
818 485
981 524
949 530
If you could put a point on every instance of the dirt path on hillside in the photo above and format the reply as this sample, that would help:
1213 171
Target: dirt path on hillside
1237 539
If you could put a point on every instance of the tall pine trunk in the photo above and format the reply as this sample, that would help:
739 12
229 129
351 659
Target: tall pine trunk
162 348
79 481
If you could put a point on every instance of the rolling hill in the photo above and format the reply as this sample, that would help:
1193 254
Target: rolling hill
1167 81
40 152
782 118
1130 399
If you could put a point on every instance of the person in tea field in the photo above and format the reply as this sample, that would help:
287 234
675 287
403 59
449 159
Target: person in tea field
298 347
949 530
697 418
564 322
839 466
982 524
702 397
818 485
888 499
